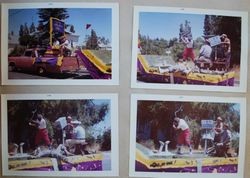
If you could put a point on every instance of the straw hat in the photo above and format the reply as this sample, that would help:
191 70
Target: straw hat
76 122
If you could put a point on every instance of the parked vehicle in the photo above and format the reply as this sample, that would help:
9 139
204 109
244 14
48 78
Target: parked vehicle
46 61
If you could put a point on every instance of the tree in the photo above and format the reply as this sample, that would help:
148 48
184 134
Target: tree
32 28
185 30
92 41
44 25
217 25
155 118
21 30
153 46
25 38
207 29
72 29
26 29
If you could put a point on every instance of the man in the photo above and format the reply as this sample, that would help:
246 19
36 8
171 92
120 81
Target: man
68 129
205 53
60 152
223 144
226 47
42 132
184 134
188 51
78 136
218 128
64 46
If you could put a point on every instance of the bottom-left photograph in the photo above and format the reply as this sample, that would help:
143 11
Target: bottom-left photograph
59 134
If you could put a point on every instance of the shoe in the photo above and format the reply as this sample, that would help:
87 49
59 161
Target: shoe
190 151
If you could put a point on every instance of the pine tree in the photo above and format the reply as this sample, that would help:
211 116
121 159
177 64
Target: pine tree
21 30
92 42
32 28
207 25
44 25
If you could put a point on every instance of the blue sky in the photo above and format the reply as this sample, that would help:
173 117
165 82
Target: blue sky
166 25
100 20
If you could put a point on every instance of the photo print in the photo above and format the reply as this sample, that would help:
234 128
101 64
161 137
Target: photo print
48 43
59 135
199 48
176 136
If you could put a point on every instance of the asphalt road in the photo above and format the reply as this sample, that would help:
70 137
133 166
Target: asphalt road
19 75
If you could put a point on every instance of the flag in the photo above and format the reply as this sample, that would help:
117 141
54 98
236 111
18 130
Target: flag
87 26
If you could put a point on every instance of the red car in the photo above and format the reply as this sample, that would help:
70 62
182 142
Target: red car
46 62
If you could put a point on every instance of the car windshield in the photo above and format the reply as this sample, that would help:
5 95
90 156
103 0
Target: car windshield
28 53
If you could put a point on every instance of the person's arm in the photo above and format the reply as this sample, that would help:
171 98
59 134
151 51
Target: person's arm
175 126
34 123
201 51
184 39
67 152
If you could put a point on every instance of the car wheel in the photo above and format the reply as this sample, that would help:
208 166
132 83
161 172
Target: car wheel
41 71
12 68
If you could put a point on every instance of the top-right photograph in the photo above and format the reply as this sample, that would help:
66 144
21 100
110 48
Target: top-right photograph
189 49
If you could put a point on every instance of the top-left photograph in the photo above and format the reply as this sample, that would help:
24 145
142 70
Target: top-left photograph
60 43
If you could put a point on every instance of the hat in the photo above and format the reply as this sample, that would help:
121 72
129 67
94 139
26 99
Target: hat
69 117
219 118
76 122
176 119
224 35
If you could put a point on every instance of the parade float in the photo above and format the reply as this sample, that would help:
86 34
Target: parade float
155 161
181 74
49 60
92 162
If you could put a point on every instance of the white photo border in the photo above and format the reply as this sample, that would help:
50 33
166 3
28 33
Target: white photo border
114 41
244 49
147 97
113 98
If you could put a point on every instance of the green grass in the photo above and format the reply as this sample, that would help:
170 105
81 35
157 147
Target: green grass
104 55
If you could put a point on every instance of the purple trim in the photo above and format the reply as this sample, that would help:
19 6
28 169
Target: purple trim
232 168
140 167
180 80
52 61
92 69
84 166
144 76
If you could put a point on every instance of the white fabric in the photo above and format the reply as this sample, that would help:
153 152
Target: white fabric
182 125
190 44
79 132
42 124
206 51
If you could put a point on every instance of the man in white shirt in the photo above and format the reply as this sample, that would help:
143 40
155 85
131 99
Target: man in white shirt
64 46
184 134
42 135
188 51
205 53
78 135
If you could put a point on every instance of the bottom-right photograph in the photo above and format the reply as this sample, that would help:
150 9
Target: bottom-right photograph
178 135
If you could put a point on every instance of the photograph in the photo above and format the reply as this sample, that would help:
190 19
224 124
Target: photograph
200 48
49 43
59 135
175 136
